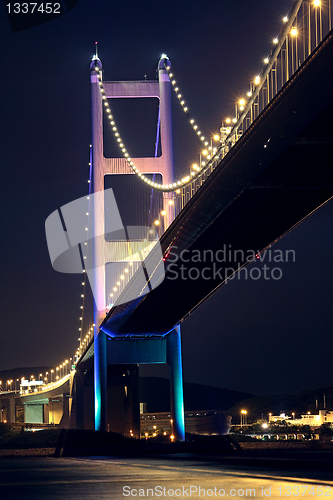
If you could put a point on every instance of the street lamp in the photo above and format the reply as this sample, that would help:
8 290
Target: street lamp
243 417
216 137
241 103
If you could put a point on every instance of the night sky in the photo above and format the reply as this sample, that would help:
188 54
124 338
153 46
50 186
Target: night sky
264 336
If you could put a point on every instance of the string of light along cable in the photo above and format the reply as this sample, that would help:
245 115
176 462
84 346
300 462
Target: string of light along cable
161 187
84 339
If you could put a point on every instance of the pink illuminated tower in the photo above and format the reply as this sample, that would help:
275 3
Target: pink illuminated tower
101 167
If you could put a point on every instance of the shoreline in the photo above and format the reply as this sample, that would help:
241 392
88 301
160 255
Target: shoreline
280 450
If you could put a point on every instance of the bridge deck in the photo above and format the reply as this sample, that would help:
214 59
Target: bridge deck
277 174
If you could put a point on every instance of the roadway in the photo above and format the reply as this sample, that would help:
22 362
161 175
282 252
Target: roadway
102 478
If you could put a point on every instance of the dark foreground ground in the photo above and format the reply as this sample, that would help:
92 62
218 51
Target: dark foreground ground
306 456
182 476
84 465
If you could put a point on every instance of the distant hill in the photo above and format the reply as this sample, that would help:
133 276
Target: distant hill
260 407
155 392
315 398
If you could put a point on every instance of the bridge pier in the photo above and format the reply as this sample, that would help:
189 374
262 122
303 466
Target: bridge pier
134 400
100 381
12 410
174 360
79 398
166 350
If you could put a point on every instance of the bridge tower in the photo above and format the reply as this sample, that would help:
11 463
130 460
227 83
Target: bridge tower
101 166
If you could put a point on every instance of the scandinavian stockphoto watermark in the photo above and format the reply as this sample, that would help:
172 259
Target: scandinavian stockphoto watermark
228 263
81 237
196 491
274 490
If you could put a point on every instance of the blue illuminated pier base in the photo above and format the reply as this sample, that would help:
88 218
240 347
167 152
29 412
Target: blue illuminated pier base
100 381
174 360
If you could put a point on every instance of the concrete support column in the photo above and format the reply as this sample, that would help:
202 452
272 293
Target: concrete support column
174 360
65 407
46 414
134 400
166 136
12 410
79 398
100 382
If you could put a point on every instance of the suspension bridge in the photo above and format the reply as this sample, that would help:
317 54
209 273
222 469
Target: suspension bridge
266 170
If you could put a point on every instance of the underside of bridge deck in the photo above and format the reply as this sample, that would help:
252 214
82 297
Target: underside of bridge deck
276 175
